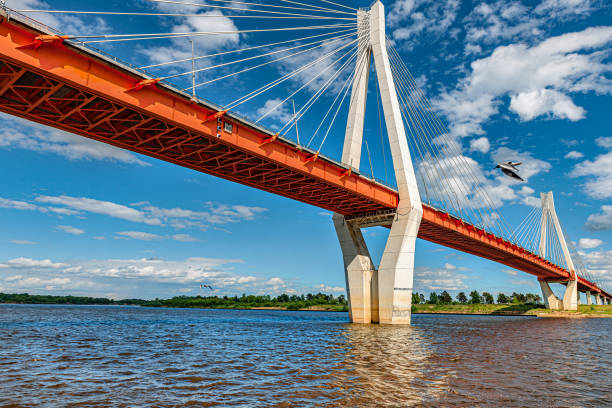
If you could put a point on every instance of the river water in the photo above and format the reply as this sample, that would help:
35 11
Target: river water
128 356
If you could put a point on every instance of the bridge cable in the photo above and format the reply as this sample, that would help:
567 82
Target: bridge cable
312 8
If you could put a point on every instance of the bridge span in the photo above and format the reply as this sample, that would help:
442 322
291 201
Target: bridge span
58 83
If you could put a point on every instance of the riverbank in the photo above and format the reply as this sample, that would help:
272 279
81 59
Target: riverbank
512 310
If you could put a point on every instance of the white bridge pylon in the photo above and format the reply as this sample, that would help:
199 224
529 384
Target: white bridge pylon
570 297
384 295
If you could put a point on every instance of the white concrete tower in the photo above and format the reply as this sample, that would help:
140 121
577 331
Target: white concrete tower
393 281
570 297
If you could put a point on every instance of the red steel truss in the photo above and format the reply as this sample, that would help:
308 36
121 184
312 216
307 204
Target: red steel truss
46 80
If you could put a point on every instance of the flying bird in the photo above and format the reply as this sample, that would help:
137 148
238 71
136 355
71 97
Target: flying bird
509 169
202 286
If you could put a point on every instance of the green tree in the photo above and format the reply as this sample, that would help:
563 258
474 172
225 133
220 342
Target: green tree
488 298
518 297
474 297
461 298
445 298
433 298
422 298
502 299
416 298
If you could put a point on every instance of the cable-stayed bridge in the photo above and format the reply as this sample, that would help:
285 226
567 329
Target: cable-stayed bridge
62 81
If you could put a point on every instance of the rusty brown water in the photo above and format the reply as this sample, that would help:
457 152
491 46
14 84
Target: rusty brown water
128 356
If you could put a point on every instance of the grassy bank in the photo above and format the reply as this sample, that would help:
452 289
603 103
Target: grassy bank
513 309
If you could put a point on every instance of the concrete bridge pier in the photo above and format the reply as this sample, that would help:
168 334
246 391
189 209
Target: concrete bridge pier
597 299
393 280
589 298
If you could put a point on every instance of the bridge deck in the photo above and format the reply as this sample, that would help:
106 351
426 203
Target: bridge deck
77 90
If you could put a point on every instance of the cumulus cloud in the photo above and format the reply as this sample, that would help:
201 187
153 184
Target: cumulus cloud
539 81
601 221
598 175
446 278
135 278
481 145
409 19
589 243
70 230
18 134
574 155
139 235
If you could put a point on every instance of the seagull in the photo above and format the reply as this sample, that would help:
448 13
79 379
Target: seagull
202 286
509 169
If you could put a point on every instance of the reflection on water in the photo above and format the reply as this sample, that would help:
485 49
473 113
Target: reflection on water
127 356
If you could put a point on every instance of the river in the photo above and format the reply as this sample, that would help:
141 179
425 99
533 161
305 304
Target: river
101 356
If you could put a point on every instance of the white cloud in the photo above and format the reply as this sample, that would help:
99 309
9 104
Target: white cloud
184 238
101 207
598 175
599 264
589 243
70 230
279 113
33 263
574 155
446 278
481 145
22 242
531 104
139 235
409 19
18 134
538 79
601 221
605 142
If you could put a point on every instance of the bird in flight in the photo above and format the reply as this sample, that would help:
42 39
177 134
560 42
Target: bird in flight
509 169
202 286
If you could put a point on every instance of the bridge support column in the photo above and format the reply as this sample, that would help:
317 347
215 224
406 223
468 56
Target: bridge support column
395 274
597 299
589 298
551 301
570 297
361 276
579 299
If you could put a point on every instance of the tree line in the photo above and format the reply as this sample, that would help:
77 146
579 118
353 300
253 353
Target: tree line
445 298
284 300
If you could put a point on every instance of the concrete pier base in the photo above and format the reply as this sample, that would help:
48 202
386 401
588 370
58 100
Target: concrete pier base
570 299
359 272
597 299
589 298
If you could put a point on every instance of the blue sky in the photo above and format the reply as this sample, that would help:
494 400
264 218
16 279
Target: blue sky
512 80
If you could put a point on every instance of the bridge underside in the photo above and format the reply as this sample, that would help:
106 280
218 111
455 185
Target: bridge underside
75 90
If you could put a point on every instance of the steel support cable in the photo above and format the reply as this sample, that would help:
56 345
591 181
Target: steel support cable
443 132
246 49
501 221
497 223
351 77
382 143
153 36
333 120
200 5
522 224
338 4
412 141
302 111
252 10
524 236
534 236
126 13
282 79
522 232
302 87
412 107
421 134
408 120
261 65
327 41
